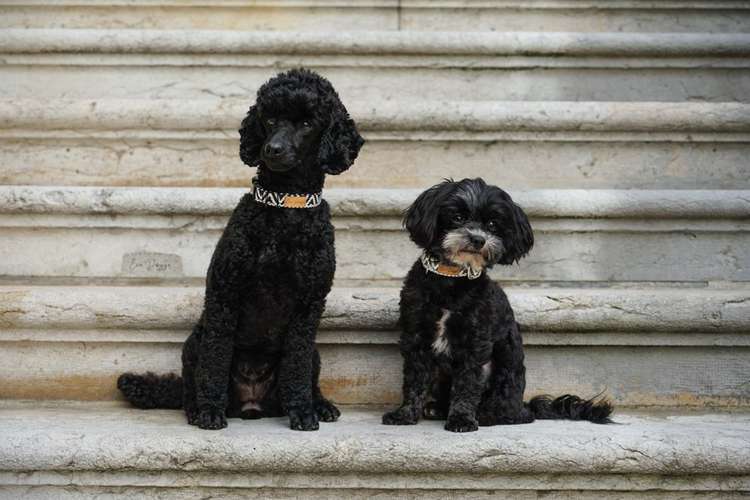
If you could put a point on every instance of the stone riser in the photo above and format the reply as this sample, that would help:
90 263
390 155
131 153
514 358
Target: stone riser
517 145
375 84
607 245
566 251
613 16
378 66
663 347
371 374
165 161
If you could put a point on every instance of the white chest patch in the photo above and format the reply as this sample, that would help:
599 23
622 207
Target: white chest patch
440 345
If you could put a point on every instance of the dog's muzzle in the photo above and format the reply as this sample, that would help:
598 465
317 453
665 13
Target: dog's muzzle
473 247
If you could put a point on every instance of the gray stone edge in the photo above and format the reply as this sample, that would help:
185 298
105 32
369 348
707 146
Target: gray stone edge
166 443
45 41
540 203
394 4
224 115
425 483
699 310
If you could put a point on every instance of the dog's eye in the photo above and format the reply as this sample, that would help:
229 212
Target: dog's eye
306 124
492 226
458 218
271 122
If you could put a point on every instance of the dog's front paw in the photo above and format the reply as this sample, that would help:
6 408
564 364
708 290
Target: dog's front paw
326 410
405 415
303 420
461 423
209 418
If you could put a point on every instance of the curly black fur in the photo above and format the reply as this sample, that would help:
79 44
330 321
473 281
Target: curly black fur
571 407
252 353
462 348
152 391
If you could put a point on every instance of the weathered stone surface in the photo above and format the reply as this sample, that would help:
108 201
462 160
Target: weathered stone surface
546 203
103 445
520 145
28 41
356 369
652 346
664 309
647 345
224 115
223 493
538 160
589 236
317 15
592 250
594 16
473 80
378 66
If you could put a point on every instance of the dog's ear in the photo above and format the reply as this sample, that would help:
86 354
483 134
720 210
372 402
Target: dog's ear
421 218
339 144
252 137
522 239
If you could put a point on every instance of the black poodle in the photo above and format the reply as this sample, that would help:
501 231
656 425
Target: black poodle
462 349
253 353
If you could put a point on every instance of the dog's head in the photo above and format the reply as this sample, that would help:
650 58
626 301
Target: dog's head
469 223
298 116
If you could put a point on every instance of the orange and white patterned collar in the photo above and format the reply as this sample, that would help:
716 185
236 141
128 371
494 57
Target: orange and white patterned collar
432 264
285 200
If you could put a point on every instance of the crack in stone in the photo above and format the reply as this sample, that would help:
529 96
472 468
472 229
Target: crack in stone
633 450
742 300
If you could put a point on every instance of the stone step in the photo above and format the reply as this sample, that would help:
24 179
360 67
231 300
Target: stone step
410 144
591 236
104 451
644 346
331 15
378 66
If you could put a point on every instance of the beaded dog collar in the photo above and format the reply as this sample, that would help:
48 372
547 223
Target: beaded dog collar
285 200
433 264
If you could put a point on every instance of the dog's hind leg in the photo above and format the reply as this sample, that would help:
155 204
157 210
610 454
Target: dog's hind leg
502 403
326 411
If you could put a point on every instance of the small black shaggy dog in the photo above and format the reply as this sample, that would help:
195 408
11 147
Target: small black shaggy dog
253 353
460 341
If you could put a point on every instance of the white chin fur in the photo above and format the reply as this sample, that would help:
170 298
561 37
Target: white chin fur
456 241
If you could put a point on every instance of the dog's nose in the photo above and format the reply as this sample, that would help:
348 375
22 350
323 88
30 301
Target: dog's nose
476 240
272 150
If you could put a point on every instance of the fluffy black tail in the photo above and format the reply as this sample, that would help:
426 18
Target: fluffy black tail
571 408
151 391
